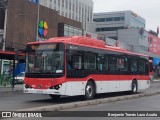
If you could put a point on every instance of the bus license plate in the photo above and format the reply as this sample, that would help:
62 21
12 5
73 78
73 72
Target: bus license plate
39 91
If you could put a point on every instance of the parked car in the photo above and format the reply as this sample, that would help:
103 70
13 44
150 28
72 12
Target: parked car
20 77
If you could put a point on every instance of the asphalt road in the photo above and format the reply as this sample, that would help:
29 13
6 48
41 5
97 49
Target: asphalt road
150 103
23 101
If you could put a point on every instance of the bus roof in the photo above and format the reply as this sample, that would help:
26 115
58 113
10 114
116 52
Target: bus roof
88 42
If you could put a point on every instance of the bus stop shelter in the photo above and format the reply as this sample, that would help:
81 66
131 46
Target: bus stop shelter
7 64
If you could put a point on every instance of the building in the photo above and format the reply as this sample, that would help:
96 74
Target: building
79 10
109 22
21 24
154 46
135 39
140 41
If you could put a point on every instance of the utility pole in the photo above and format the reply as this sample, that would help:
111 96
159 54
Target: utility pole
37 37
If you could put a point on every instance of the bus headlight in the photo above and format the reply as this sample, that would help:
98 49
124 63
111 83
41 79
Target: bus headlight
57 87
27 86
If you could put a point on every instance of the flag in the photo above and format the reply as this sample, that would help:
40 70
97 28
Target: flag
157 30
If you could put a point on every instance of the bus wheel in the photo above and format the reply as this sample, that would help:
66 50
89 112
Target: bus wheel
134 87
89 91
55 96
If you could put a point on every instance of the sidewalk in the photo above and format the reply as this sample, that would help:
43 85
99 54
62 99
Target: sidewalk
18 89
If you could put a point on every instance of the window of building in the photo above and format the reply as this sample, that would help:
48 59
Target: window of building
122 18
79 7
73 6
62 13
72 31
66 33
65 14
69 15
117 19
108 29
76 6
62 3
58 2
108 19
66 4
98 29
101 19
70 4
50 4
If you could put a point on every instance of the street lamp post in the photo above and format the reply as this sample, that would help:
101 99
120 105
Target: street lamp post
37 37
5 29
4 6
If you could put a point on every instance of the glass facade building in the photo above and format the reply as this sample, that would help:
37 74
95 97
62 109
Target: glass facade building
68 30
79 10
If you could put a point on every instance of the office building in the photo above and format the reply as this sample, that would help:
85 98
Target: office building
109 22
22 24
79 10
139 41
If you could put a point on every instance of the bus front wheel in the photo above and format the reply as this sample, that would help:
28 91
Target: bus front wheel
134 87
55 96
89 91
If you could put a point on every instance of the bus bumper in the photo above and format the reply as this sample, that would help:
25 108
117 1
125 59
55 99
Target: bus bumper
40 91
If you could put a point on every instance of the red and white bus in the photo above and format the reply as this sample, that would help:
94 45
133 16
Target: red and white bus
75 65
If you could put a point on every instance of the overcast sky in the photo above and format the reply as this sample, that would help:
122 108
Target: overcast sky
148 9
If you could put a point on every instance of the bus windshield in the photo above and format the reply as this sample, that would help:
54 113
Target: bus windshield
45 58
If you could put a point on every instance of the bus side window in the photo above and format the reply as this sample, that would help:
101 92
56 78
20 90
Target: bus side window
89 61
133 65
69 65
151 66
122 64
112 63
102 62
77 62
141 66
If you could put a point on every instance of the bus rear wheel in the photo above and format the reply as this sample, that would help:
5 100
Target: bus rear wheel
134 87
89 91
55 97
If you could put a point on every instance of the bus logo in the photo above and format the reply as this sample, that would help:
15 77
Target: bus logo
43 29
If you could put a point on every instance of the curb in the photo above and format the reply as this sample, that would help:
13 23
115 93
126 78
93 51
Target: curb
87 103
10 92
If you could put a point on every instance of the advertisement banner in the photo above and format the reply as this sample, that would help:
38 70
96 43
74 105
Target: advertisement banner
154 44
